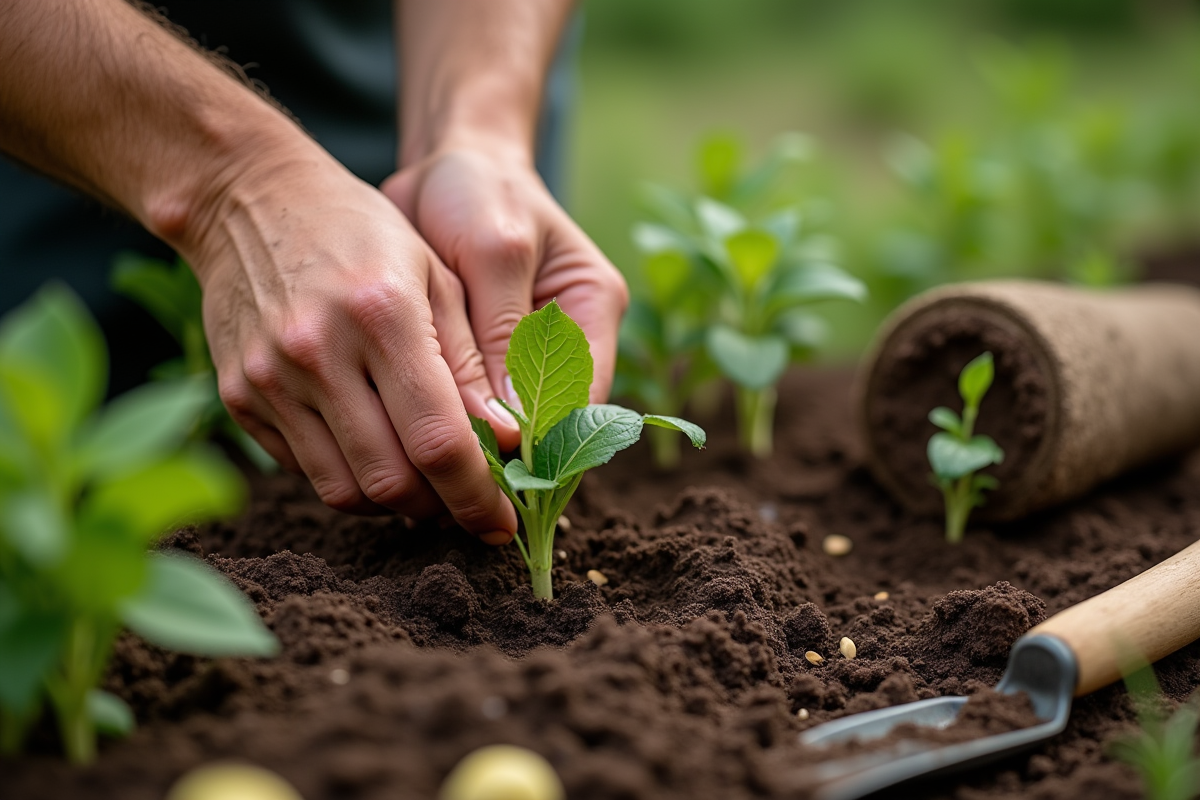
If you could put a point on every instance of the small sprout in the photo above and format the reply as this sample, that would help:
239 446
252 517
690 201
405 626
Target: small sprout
802 714
564 524
846 647
882 595
232 782
814 658
597 577
956 453
837 545
502 772
339 676
1163 750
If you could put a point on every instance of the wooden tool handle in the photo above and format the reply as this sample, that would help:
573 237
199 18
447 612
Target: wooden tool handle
1145 618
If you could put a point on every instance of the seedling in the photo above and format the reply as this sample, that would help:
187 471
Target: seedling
956 453
170 293
84 491
1163 751
562 436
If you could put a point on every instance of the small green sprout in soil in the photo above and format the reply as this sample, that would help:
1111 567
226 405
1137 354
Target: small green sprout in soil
1163 750
561 435
957 453
84 493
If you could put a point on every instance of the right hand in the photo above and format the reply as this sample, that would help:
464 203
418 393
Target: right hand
342 346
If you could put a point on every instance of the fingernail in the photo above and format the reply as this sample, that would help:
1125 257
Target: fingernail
513 399
501 414
496 538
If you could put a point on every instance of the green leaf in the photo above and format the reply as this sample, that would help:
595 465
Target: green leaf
693 431
666 274
32 522
53 364
169 292
551 367
190 608
142 425
976 379
520 480
651 238
752 254
30 644
193 486
754 362
811 282
946 419
802 329
487 436
109 713
952 458
717 220
587 438
720 160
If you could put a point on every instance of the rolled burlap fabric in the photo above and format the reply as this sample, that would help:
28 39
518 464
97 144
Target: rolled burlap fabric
1089 383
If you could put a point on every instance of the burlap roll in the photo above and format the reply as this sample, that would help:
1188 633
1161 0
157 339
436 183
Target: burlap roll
1089 384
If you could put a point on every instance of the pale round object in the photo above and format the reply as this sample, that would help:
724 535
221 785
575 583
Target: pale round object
503 772
837 545
232 782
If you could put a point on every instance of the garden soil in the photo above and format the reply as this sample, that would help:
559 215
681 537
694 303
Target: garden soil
683 677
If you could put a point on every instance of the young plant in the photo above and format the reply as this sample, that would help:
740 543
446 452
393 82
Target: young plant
84 492
1163 751
170 293
562 436
956 453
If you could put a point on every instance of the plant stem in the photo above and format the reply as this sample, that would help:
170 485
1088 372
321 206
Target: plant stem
543 588
69 692
958 508
756 420
12 732
665 444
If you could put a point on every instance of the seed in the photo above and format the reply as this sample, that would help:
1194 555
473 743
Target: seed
339 676
802 714
882 595
502 771
564 524
562 554
837 545
597 577
814 657
847 648
225 781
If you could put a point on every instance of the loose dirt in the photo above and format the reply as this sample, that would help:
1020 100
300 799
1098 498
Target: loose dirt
404 649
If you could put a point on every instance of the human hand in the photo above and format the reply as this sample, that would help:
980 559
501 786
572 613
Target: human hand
491 220
342 345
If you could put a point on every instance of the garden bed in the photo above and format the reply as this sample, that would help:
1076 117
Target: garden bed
681 678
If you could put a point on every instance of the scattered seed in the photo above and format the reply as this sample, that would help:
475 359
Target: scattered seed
882 595
339 676
493 707
597 577
802 714
564 524
814 657
561 554
502 771
837 545
847 648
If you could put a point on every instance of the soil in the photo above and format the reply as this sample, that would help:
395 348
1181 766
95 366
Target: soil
682 677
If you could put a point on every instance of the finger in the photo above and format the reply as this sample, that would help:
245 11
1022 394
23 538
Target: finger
463 357
422 400
251 412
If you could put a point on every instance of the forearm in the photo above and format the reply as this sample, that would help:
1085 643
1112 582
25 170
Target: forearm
472 72
97 95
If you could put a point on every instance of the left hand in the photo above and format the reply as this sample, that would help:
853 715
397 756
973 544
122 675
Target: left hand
493 222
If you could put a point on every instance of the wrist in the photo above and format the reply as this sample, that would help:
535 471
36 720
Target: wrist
491 115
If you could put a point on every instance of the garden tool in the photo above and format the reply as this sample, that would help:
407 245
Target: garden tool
1075 652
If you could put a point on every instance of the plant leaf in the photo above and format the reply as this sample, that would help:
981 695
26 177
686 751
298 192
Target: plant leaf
30 644
952 458
802 329
143 424
487 436
109 713
946 419
587 438
717 220
189 607
694 432
754 362
720 160
666 274
810 282
520 480
170 292
550 365
752 254
976 378
32 522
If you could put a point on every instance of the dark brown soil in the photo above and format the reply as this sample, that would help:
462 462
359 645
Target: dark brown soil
681 678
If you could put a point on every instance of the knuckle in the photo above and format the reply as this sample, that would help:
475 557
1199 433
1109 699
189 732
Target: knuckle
238 397
262 372
435 448
338 494
613 284
473 514
389 487
510 246
305 344
374 307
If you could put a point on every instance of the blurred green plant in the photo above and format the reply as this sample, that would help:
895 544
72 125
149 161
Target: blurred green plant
1163 750
725 277
171 294
84 491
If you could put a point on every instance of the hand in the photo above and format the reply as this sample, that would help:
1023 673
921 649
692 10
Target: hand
342 345
491 220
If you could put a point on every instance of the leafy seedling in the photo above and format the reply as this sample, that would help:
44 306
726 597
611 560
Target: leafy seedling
84 492
562 436
957 453
1163 750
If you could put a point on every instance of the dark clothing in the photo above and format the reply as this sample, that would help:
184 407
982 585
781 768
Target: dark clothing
330 62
